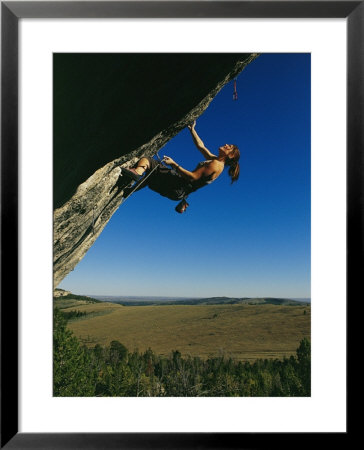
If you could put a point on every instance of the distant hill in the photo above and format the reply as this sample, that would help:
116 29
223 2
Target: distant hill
210 301
149 301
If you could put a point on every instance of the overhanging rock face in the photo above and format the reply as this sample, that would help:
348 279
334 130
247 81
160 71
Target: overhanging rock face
109 110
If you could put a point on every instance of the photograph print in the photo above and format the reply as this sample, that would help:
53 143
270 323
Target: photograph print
182 225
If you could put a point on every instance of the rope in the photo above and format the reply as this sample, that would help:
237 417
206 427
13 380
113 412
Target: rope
93 219
235 94
161 160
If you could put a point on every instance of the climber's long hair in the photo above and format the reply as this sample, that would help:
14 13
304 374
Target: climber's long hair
233 163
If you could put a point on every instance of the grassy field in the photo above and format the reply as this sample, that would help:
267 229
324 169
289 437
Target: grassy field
244 332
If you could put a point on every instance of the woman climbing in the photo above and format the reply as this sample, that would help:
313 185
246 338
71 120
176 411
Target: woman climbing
177 183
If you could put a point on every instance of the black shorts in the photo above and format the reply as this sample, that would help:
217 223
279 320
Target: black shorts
166 181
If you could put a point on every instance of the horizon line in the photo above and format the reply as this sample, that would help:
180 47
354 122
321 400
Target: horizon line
193 297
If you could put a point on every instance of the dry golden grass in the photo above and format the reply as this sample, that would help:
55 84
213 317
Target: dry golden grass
244 332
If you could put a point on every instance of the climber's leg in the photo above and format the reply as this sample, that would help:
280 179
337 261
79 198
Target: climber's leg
142 165
138 170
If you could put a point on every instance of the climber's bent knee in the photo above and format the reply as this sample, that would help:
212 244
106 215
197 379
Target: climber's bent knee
143 162
147 161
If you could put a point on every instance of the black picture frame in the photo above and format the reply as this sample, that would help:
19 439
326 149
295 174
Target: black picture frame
11 12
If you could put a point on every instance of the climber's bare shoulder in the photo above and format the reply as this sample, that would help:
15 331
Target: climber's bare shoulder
214 166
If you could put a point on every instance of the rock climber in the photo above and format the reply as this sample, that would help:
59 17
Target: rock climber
177 183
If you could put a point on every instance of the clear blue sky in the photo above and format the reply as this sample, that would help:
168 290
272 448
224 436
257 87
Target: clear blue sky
248 239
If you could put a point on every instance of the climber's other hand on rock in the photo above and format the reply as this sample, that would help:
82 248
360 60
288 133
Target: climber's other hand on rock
192 125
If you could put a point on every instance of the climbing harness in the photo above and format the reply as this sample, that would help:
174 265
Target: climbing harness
235 94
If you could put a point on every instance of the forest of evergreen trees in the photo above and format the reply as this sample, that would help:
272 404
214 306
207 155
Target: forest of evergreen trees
112 371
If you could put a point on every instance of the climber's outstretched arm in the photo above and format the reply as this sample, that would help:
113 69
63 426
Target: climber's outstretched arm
186 174
198 142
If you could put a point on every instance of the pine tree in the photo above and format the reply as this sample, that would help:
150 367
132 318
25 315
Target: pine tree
304 366
73 371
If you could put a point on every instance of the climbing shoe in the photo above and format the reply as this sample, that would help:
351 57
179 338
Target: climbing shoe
130 173
182 206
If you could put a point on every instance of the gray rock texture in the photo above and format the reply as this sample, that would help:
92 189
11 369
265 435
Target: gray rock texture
109 110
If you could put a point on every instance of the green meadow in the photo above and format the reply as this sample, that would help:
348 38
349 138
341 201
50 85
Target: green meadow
244 332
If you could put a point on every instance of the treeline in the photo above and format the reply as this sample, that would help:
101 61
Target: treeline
114 371
78 297
73 314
